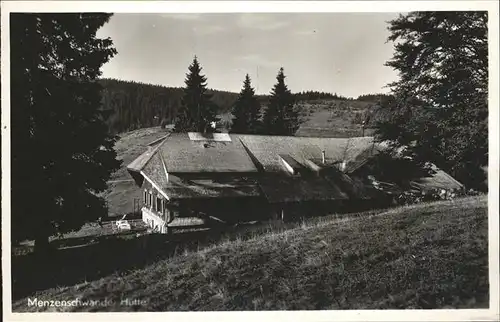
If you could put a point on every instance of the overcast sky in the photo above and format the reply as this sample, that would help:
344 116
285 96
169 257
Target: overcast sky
333 52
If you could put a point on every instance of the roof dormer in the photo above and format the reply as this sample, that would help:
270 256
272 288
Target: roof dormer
290 164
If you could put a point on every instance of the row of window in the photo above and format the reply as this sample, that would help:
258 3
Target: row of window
153 201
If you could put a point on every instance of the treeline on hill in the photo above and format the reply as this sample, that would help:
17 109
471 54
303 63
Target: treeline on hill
374 97
315 95
136 105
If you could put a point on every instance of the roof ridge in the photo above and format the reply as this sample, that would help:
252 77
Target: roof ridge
239 135
154 151
253 158
449 176
157 140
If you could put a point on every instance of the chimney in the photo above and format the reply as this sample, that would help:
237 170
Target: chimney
323 157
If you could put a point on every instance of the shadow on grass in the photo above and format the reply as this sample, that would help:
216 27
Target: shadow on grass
89 258
76 260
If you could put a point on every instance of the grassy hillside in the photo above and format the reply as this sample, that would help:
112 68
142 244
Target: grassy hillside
330 117
334 118
424 256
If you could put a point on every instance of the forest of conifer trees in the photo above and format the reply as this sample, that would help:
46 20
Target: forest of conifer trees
135 105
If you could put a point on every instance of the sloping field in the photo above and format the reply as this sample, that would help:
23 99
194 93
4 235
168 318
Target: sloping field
333 118
431 255
328 118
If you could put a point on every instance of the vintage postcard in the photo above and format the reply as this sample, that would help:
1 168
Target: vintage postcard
286 160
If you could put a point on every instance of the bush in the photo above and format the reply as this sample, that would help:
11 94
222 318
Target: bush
472 192
412 197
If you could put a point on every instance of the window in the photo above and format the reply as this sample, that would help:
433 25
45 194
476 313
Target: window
159 204
150 199
145 197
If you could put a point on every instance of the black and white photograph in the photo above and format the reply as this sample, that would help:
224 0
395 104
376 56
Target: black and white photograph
195 157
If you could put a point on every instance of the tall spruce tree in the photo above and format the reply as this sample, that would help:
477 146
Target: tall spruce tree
62 154
197 112
281 117
441 99
246 110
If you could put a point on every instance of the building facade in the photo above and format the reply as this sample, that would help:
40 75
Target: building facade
232 178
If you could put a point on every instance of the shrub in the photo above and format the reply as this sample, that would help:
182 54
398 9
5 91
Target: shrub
412 197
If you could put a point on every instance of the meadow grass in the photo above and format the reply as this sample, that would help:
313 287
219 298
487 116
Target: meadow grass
432 255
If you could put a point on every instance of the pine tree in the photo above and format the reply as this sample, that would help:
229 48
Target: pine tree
246 110
197 112
62 154
440 108
281 117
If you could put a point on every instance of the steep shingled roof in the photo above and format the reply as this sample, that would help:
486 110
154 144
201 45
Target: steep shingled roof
438 180
183 155
180 154
266 149
139 163
177 188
